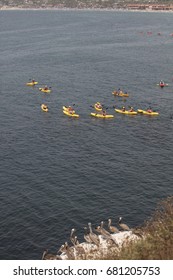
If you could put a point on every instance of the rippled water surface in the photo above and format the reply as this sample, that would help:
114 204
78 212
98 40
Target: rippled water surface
56 172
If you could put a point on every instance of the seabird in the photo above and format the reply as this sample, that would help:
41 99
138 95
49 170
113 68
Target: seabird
76 241
87 236
112 229
47 256
123 226
72 237
65 248
95 239
105 233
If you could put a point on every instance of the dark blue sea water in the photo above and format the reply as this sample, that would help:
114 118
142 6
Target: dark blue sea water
56 172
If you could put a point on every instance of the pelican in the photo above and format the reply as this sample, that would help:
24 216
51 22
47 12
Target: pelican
95 239
47 256
76 241
102 231
72 237
65 248
62 249
123 226
87 236
112 229
105 233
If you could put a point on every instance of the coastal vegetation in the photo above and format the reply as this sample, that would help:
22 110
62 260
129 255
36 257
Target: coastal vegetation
86 4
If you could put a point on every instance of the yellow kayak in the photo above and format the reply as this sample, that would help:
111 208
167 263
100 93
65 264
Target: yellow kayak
122 94
96 115
66 108
70 114
148 113
98 106
44 107
45 90
126 112
31 83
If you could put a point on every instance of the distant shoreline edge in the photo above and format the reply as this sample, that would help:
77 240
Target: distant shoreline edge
6 8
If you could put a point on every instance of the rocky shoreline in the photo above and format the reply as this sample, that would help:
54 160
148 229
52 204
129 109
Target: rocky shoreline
90 250
125 9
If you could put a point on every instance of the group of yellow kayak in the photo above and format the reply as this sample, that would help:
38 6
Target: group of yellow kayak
123 110
45 89
100 111
139 111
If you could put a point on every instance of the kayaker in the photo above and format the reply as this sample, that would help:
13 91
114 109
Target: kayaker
123 109
33 81
120 91
70 109
46 88
149 110
162 83
115 92
98 105
104 113
131 109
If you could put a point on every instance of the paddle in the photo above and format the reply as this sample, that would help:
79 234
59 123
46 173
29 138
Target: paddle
163 85
106 108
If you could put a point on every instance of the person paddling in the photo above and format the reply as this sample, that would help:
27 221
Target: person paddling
131 109
149 110
161 83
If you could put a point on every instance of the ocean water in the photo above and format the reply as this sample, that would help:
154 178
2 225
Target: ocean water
59 173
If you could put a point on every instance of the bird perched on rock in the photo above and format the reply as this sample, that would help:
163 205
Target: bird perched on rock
102 230
73 238
123 226
105 233
87 236
48 256
112 229
95 239
65 248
